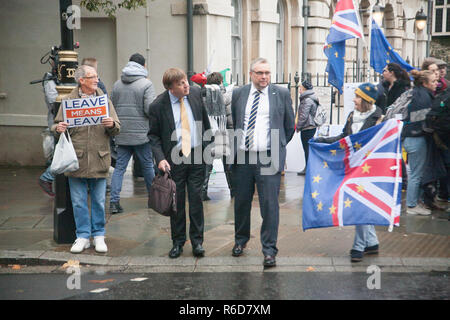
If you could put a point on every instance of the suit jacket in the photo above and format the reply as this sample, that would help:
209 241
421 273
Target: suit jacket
162 123
281 116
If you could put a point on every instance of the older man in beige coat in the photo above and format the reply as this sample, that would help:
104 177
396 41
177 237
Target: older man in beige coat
91 145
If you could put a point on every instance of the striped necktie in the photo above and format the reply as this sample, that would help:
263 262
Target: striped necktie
185 130
252 121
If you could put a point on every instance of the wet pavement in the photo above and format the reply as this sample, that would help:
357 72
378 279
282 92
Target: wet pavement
221 286
139 237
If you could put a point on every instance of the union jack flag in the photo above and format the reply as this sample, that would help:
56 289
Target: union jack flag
356 180
345 25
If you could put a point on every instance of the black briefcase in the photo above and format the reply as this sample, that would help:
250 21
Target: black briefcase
162 197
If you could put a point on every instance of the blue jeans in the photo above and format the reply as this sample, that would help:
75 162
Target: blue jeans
47 175
416 147
95 224
124 153
365 236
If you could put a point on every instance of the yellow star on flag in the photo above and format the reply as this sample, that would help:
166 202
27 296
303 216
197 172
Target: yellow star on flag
319 206
357 146
314 194
365 168
333 152
360 189
325 164
341 145
336 54
332 209
317 178
348 203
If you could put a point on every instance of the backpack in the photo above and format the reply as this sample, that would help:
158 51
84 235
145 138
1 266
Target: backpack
162 195
321 116
400 106
438 118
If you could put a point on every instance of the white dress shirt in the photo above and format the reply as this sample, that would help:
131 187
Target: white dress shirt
261 134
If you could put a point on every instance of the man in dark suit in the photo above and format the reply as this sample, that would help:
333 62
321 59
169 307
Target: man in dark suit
178 120
264 114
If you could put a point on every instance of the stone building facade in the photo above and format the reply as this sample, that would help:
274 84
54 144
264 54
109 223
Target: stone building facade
227 34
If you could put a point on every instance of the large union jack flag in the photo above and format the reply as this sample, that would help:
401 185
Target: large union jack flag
356 180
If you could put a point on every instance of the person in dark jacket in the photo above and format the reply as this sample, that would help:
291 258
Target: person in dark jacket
395 82
414 142
305 117
178 121
365 115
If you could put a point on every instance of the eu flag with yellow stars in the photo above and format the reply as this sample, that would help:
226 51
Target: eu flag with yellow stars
355 180
336 64
381 52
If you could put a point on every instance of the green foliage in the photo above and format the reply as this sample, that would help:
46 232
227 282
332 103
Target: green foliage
110 7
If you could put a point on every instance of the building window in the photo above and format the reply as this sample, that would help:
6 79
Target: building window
236 41
280 43
441 18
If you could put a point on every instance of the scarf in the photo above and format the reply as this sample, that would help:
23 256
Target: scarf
360 117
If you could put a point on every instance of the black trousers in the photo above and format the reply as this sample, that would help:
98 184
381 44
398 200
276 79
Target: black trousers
245 177
305 135
188 177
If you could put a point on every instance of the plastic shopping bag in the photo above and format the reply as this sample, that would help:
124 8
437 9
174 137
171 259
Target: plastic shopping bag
64 158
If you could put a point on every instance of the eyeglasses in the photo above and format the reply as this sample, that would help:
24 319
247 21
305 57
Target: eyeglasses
260 73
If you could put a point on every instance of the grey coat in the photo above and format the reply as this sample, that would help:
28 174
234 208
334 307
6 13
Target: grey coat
307 110
132 96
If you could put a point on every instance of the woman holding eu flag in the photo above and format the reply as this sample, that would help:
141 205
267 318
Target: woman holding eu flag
365 115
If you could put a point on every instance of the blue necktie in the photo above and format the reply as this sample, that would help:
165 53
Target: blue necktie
252 121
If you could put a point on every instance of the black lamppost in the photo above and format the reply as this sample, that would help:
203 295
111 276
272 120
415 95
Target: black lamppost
67 62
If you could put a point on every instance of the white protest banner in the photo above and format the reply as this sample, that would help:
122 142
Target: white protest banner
85 112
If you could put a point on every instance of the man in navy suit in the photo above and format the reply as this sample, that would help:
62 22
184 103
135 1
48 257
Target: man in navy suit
263 113
178 120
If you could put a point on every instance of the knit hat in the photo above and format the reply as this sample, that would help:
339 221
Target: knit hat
368 92
138 58
307 85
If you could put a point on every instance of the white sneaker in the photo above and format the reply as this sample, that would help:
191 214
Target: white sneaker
418 210
80 244
100 245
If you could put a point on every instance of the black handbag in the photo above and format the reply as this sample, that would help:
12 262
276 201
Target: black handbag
162 196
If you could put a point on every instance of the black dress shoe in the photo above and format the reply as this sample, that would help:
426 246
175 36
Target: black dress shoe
198 251
237 250
269 261
176 251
